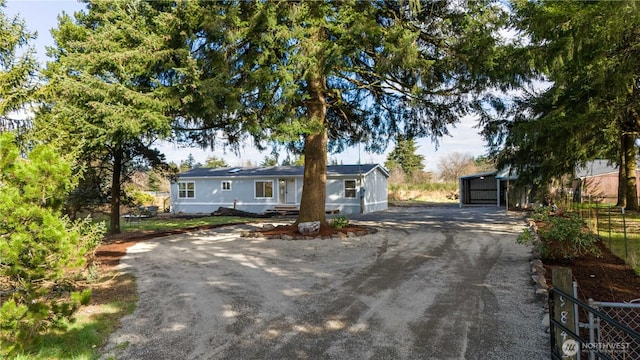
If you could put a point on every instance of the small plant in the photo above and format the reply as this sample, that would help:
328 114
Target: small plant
541 213
525 237
566 238
339 222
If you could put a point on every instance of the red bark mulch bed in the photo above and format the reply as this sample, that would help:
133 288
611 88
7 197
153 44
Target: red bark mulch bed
604 278
291 232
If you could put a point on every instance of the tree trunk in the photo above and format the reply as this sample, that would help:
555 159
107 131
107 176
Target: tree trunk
115 191
629 153
314 186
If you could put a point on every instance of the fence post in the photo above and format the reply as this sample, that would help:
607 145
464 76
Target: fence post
597 220
624 228
576 320
609 226
563 312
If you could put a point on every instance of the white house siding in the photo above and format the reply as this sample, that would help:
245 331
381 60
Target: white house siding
336 198
375 185
209 196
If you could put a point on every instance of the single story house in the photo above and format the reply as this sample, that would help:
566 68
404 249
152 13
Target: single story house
598 180
350 189
490 188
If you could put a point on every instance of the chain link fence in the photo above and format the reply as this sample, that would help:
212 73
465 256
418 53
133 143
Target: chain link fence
610 340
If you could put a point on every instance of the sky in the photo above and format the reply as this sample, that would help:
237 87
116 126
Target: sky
41 16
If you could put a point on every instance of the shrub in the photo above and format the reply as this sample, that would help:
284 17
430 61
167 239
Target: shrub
339 222
567 238
42 253
561 237
541 213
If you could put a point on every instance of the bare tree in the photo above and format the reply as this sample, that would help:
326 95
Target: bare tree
456 164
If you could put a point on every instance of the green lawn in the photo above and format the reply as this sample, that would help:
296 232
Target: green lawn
630 252
610 224
169 223
83 338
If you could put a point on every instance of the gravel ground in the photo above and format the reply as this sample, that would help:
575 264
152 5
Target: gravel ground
433 283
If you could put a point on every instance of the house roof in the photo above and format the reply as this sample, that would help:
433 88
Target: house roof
596 167
274 171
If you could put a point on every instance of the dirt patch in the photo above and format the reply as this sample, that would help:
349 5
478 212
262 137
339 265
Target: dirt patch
604 278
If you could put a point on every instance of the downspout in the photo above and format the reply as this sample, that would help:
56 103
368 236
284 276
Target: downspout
361 190
499 193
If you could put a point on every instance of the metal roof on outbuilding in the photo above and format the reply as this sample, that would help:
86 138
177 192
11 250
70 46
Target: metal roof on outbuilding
596 167
478 175
284 171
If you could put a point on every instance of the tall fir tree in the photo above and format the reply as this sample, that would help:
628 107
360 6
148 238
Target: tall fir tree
109 91
322 75
17 70
404 156
589 51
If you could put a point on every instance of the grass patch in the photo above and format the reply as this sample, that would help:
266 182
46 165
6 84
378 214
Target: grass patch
169 223
610 224
616 243
83 339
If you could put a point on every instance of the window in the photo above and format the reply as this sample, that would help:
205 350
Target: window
264 189
350 188
186 190
226 186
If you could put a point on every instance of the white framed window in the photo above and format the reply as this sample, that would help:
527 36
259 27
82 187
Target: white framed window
264 189
186 189
350 188
226 185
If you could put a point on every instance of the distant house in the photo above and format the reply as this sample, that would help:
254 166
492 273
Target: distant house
598 180
490 188
350 189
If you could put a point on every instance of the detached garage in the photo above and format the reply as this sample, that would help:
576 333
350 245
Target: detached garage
489 188
478 189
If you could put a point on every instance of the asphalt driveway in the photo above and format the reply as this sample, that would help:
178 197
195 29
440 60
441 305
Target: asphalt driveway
433 283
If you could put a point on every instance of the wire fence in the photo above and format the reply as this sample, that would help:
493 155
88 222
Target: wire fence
619 229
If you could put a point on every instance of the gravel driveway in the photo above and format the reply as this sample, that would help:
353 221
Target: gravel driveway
433 283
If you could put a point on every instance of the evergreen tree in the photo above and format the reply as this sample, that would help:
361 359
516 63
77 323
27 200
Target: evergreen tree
17 69
322 75
404 155
269 161
590 52
214 162
109 91
41 253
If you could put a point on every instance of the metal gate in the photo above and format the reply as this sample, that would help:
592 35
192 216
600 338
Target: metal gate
627 314
609 331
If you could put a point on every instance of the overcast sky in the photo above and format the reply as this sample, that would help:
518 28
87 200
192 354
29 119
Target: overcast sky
41 16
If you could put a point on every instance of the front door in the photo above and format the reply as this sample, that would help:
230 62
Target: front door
287 191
